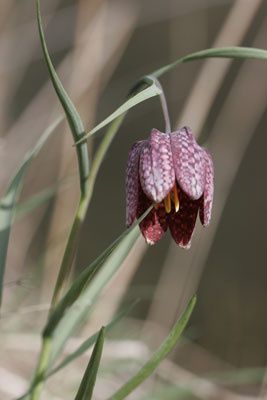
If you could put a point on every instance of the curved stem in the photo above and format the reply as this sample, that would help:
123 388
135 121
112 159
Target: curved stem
163 102
69 254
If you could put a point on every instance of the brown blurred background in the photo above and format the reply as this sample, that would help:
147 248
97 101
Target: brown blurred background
100 49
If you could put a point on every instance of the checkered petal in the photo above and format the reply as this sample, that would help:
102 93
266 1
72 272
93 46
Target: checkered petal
182 223
189 162
132 182
154 225
207 199
156 170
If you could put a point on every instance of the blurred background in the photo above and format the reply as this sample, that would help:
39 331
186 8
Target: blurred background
100 49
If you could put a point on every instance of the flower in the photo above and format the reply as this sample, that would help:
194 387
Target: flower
171 171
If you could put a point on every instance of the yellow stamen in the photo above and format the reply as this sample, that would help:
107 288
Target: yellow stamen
175 198
167 203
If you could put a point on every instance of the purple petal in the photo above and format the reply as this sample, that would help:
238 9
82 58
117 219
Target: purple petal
154 225
206 204
156 166
183 222
189 162
132 182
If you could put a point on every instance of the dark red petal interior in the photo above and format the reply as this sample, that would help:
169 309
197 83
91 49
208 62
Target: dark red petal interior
182 223
154 225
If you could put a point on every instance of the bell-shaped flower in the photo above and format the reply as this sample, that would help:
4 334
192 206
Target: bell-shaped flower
172 172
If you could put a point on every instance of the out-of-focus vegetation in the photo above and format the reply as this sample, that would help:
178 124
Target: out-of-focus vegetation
100 49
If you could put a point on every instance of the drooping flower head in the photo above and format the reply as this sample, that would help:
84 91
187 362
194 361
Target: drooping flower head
171 171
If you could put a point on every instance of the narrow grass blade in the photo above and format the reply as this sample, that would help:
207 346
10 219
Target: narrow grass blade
64 325
83 206
86 388
45 195
220 52
154 90
8 202
40 198
105 260
73 117
158 356
83 347
151 91
90 341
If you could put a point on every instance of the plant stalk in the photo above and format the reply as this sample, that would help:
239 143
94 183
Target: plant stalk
41 369
70 252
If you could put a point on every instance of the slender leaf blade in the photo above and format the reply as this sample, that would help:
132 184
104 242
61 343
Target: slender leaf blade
83 347
151 91
73 117
65 324
159 355
90 341
235 52
40 198
8 202
76 314
86 388
122 244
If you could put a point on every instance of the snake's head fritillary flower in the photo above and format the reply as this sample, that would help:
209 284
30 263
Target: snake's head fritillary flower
172 172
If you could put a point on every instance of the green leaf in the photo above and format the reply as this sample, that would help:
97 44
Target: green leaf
75 306
8 202
107 261
162 352
90 341
220 52
73 117
150 91
86 388
154 90
80 350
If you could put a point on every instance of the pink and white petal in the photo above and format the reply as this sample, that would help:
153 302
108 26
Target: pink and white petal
154 225
156 171
183 222
207 200
132 182
189 162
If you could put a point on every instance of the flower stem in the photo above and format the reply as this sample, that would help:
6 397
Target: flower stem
41 369
164 105
63 275
70 251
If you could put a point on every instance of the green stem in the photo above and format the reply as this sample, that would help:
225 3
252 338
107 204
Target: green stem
63 275
83 205
70 251
164 104
41 369
81 211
